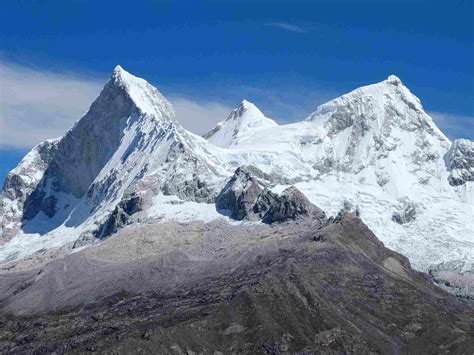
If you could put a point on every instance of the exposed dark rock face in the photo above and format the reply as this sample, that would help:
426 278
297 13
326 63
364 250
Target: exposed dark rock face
37 202
120 215
239 195
290 205
14 186
21 187
49 206
244 198
334 290
84 150
213 131
266 199
460 162
33 204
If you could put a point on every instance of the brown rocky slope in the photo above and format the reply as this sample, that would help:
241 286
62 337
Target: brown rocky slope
301 288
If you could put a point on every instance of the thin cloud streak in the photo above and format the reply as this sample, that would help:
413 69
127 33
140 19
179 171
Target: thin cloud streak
36 105
287 27
453 125
198 116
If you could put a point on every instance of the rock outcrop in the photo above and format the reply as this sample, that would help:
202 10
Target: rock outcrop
120 215
245 197
239 195
460 162
290 205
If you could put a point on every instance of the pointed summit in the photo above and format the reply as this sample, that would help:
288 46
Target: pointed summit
249 108
393 79
247 104
118 69
245 107
143 95
121 76
242 122
125 102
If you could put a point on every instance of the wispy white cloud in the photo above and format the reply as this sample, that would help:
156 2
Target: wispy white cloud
453 125
287 27
198 116
36 105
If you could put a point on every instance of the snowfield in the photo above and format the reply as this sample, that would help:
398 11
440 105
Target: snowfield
374 149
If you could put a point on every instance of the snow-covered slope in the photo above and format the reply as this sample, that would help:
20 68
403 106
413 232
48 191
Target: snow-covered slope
241 123
374 148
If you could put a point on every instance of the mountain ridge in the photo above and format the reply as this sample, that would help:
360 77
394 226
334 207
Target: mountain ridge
374 148
267 289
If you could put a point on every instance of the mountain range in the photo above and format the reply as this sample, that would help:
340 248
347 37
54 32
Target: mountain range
374 149
256 237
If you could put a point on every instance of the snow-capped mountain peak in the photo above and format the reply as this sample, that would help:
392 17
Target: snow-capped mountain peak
241 122
249 107
144 95
128 135
393 79
118 71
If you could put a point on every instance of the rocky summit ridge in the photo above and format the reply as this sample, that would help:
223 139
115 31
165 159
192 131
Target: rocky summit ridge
129 161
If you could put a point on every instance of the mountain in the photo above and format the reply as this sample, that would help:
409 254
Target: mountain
242 122
378 150
128 161
128 143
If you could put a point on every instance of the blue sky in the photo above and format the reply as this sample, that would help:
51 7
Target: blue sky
286 57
